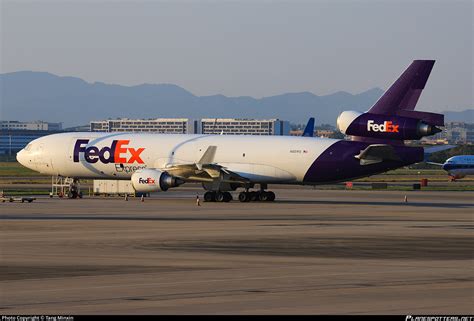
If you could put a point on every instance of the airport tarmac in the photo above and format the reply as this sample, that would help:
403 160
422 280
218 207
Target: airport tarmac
310 252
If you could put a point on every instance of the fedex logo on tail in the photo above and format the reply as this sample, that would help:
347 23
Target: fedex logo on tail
118 152
386 127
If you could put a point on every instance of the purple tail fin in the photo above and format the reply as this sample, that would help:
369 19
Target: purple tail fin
396 107
404 93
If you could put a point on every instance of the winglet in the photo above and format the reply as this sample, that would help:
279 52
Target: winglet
309 129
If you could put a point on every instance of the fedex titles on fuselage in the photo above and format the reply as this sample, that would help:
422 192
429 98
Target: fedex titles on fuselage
386 127
118 153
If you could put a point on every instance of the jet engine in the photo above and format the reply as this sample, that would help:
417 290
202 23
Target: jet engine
153 180
383 126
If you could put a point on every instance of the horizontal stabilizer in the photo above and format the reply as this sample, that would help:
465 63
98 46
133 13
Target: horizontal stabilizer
429 118
377 153
434 149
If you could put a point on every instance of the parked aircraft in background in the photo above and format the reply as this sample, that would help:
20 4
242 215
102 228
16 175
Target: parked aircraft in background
458 166
309 129
224 163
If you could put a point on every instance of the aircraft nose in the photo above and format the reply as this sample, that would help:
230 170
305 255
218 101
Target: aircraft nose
21 157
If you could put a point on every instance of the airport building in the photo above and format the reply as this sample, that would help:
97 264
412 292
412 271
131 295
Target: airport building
12 141
325 133
226 126
34 125
459 132
235 126
453 133
158 125
15 135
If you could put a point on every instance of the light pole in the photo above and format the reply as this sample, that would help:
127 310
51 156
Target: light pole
10 150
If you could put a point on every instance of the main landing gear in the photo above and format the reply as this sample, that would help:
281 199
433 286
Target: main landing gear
217 196
247 196
261 196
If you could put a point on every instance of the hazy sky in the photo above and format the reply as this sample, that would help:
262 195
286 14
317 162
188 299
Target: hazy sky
251 48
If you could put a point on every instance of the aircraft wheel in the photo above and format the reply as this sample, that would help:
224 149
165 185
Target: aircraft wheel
271 196
219 197
263 196
253 196
244 197
72 194
209 197
227 197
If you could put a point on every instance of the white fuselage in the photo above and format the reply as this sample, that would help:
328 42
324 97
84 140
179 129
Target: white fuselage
460 166
272 159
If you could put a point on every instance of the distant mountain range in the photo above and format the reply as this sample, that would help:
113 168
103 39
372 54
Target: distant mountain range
28 95
463 116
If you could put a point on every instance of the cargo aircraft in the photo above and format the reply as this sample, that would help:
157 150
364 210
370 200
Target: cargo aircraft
224 163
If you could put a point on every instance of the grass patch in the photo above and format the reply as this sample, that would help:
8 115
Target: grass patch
16 169
15 174
7 193
420 172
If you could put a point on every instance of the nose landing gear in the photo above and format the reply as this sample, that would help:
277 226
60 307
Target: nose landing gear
65 187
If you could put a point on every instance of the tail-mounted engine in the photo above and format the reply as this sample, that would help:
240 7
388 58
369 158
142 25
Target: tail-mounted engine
384 126
154 180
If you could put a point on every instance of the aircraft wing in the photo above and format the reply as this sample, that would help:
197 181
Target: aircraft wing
205 170
377 153
437 164
205 173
